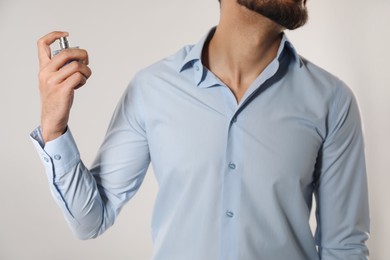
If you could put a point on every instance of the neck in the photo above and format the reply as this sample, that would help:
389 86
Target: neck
243 45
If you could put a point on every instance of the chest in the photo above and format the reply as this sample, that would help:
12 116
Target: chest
193 135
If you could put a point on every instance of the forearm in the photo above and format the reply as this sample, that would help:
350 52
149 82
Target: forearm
73 186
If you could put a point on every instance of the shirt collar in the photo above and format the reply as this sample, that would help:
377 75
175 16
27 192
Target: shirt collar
286 43
193 59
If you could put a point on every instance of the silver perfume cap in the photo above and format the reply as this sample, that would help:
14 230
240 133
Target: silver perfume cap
64 43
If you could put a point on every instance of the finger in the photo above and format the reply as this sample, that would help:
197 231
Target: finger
68 70
43 44
66 56
75 81
74 67
82 83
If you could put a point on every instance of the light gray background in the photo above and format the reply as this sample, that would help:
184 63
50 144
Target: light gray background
349 38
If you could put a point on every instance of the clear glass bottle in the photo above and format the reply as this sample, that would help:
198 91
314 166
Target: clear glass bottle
64 44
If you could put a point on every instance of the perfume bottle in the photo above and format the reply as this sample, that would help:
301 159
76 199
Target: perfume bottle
64 44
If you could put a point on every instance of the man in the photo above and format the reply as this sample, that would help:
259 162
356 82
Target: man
240 130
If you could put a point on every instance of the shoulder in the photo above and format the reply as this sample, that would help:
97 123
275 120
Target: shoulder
164 68
341 102
325 82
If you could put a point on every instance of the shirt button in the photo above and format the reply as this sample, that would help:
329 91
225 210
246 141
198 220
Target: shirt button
230 214
234 119
232 166
196 67
46 159
57 157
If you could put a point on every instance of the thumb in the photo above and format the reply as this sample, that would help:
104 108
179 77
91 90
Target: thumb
44 53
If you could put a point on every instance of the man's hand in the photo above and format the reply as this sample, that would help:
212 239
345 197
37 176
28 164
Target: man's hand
57 83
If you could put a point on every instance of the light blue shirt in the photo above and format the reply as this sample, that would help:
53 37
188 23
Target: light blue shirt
235 179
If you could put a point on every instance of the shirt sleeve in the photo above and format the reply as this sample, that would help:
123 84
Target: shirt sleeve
341 189
92 198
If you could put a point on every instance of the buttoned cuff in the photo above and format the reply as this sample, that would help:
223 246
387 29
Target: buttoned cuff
60 154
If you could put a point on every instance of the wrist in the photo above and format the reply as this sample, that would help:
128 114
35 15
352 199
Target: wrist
49 135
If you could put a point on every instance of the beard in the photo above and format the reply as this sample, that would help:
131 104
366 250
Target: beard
290 14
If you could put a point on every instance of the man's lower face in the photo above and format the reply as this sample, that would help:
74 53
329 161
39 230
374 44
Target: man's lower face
290 14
